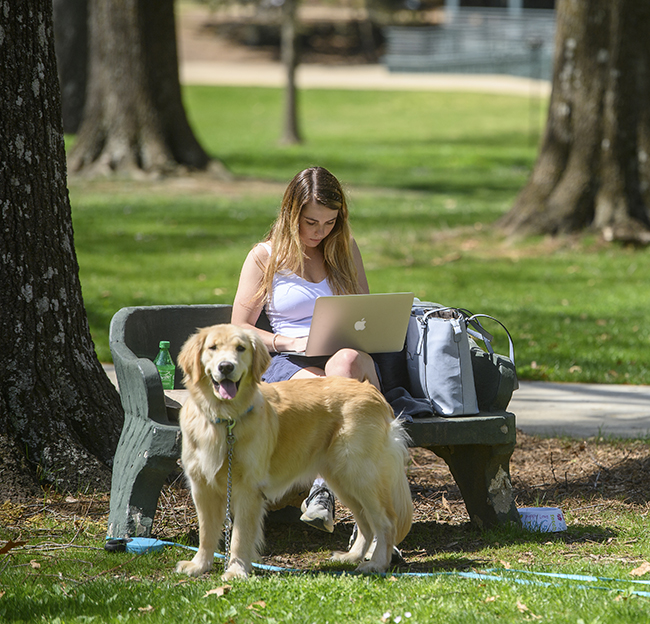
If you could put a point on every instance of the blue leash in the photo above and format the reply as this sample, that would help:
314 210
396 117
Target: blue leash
145 545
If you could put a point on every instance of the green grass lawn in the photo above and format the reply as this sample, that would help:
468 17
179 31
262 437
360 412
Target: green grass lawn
427 175
62 575
470 145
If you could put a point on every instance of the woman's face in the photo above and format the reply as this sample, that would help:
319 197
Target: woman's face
316 222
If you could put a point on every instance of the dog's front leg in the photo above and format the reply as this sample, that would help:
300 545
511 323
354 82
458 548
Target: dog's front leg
248 507
211 510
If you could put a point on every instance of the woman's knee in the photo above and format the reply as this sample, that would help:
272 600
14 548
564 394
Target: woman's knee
352 363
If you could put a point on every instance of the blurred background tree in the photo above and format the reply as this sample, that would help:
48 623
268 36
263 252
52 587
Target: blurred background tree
71 45
133 116
282 21
593 169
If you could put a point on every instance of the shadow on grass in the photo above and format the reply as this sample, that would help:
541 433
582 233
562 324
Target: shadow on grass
430 547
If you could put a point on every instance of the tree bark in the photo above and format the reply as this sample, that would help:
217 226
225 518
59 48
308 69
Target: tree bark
290 58
134 118
60 417
592 169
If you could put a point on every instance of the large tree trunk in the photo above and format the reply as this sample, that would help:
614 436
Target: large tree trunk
134 118
60 417
593 169
290 58
71 44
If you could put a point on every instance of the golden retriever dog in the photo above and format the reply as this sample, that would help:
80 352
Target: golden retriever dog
285 433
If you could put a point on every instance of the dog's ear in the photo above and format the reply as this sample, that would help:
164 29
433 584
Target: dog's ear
189 358
261 357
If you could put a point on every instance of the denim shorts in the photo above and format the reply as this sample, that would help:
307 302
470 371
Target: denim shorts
284 366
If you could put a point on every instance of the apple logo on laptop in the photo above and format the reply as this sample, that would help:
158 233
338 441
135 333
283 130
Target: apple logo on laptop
360 325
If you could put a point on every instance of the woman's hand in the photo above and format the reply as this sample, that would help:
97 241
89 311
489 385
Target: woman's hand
299 344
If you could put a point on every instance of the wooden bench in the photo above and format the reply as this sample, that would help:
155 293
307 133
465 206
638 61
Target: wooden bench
477 449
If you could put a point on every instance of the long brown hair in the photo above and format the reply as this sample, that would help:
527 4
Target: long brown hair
313 184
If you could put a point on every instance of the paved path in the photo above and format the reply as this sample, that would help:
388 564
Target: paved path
574 410
375 77
582 410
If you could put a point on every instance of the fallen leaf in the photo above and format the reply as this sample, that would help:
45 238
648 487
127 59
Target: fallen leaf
524 609
505 564
10 545
2 594
254 605
35 564
218 591
147 609
644 568
491 598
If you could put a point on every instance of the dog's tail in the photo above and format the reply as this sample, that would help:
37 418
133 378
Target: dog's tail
401 493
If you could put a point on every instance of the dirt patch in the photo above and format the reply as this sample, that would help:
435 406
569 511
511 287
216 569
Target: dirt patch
199 40
326 35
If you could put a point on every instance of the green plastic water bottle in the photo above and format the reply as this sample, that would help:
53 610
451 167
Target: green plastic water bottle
165 366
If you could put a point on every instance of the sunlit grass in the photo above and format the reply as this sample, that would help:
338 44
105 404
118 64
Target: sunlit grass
62 574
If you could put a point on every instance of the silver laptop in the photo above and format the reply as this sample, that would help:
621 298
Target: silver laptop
374 323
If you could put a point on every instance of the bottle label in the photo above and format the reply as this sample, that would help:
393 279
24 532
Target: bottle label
167 378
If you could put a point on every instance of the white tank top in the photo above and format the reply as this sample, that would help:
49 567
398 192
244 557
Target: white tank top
291 305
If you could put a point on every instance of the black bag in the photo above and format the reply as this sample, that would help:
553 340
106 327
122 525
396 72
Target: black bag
495 376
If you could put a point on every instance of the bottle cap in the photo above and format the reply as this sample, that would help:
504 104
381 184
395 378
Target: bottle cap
164 344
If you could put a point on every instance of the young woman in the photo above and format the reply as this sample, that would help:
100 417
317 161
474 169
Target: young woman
308 253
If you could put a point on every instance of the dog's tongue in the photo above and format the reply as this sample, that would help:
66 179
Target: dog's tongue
227 389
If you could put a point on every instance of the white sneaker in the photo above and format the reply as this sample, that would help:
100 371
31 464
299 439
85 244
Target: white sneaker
318 510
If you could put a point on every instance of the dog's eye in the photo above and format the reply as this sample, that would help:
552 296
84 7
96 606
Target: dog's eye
241 348
213 347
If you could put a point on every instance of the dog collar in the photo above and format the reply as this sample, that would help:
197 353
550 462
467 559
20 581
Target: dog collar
229 421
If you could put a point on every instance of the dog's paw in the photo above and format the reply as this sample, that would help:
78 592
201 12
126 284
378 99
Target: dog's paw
191 569
345 557
234 571
371 567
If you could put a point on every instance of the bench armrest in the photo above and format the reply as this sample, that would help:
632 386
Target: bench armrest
140 387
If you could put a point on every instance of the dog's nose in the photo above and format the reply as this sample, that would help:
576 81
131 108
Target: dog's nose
225 368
